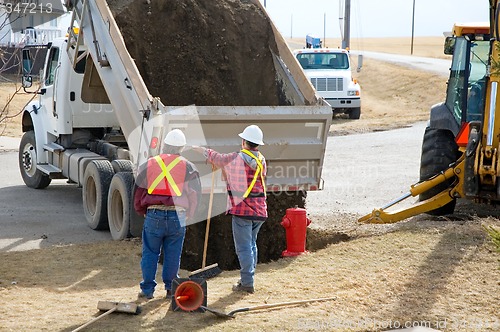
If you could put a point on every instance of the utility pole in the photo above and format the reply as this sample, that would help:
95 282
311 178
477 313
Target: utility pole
412 27
346 40
324 30
264 3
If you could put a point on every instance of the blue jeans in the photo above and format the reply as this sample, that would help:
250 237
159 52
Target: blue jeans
245 242
161 229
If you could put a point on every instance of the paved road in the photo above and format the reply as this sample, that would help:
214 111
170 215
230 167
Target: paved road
361 172
366 171
32 218
437 66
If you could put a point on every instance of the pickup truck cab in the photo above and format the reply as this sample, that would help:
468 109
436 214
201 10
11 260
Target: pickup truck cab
329 71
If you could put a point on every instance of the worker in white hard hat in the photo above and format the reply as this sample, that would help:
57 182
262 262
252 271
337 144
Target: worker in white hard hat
245 173
167 193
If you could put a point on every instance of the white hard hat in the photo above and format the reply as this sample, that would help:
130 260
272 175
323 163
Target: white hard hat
175 138
252 134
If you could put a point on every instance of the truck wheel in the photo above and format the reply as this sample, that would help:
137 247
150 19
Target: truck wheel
121 213
121 165
96 180
439 150
355 113
32 177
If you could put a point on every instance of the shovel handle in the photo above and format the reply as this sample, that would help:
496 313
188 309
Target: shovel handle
209 214
281 304
96 319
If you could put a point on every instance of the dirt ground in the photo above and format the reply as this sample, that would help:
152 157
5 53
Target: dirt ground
437 272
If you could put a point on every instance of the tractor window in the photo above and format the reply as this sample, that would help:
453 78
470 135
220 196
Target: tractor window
477 80
51 66
456 94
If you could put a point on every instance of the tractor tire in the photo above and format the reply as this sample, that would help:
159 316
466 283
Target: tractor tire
355 113
121 213
32 177
439 150
96 181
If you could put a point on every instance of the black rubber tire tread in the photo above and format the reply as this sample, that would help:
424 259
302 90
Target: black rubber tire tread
38 180
355 113
121 205
122 165
96 181
439 150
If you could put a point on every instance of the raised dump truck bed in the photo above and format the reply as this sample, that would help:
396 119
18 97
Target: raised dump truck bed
103 109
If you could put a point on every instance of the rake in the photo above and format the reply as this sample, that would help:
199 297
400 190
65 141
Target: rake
110 307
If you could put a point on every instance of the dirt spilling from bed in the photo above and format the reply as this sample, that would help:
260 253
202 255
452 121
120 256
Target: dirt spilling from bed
201 52
212 53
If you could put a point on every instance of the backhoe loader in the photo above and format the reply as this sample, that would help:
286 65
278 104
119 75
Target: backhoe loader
460 148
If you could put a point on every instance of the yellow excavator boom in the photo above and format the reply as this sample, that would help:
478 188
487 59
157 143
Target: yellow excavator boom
381 216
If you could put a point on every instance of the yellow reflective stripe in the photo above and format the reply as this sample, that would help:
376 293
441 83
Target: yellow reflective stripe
260 169
166 174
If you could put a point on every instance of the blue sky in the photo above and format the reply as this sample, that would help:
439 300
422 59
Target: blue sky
374 18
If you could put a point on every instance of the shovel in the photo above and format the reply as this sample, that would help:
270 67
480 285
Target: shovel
263 306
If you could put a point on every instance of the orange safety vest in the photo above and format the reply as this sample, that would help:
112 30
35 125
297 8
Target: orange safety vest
166 175
258 171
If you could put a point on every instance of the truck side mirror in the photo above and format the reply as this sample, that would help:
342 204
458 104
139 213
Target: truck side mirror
360 62
27 81
449 45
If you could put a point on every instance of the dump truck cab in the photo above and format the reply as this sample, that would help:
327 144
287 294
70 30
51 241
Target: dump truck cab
329 71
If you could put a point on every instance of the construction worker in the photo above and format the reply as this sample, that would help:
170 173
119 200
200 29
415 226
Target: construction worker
167 193
245 173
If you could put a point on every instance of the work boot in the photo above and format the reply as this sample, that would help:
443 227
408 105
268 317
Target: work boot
144 295
169 294
238 287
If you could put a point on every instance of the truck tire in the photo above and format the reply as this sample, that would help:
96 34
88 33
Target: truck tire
355 113
32 177
96 180
121 165
121 213
439 150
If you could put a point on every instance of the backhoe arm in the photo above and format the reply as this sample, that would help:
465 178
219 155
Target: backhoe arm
380 216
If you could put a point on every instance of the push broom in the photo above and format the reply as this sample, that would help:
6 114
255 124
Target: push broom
213 270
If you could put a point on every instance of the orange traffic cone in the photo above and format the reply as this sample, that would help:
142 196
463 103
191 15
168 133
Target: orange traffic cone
189 294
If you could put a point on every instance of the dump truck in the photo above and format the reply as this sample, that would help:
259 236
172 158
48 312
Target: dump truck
95 122
459 158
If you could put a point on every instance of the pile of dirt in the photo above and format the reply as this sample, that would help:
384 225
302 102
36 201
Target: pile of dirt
211 53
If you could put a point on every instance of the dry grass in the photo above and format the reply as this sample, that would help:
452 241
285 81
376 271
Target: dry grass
432 272
392 97
440 273
12 101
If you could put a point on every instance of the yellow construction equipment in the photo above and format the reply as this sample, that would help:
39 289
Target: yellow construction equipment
460 149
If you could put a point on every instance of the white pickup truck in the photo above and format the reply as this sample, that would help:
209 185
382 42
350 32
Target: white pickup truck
329 71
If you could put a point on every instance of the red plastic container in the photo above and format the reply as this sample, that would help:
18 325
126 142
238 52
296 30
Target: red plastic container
295 222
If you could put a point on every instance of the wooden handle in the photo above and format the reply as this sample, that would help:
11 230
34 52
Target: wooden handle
207 230
96 319
281 304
